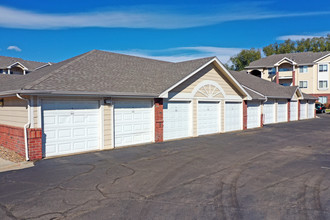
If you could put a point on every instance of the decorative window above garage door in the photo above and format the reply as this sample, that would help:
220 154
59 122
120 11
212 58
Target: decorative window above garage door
208 89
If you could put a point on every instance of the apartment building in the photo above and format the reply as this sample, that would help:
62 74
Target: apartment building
18 66
308 70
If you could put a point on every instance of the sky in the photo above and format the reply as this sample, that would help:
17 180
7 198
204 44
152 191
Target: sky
172 30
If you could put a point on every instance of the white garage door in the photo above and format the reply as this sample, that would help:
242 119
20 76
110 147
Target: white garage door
269 112
233 116
133 122
311 110
293 111
70 126
282 111
177 120
303 110
208 118
253 114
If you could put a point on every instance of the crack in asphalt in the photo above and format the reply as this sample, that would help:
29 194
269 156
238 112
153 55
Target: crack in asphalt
7 212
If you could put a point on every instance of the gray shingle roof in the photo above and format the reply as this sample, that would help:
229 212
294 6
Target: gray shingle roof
108 73
30 65
299 58
309 97
264 87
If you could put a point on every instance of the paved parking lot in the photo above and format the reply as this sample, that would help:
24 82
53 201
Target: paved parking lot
279 172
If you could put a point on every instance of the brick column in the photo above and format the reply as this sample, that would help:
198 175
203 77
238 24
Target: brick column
35 143
298 110
277 78
261 120
293 78
244 115
159 121
289 110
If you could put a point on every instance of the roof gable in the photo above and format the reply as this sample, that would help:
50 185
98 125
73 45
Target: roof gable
302 58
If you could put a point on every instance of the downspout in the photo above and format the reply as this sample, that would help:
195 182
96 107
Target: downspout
26 126
263 116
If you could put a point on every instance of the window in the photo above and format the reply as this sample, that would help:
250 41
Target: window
272 70
323 68
303 69
323 99
323 84
302 84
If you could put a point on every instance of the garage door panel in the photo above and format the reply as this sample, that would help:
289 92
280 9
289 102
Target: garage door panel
293 111
133 122
65 125
269 112
282 111
303 110
176 120
208 118
253 115
233 116
311 110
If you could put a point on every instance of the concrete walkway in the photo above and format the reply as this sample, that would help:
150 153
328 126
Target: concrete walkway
6 165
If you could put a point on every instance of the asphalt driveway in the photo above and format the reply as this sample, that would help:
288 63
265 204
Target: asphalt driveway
279 172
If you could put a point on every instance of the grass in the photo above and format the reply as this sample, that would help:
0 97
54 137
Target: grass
327 110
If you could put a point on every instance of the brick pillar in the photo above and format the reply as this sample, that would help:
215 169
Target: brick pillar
244 115
277 78
289 110
293 78
261 120
35 143
298 110
159 121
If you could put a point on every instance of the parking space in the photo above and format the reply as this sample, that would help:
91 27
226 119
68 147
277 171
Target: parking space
279 172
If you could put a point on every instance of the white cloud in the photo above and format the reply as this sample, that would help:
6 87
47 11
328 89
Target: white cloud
141 17
303 36
15 48
179 54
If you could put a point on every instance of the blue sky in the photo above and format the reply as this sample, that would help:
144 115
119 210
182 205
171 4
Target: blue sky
168 30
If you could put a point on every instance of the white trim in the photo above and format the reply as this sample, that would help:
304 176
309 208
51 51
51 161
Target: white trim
101 125
321 58
32 111
285 77
208 82
153 121
11 65
285 58
113 124
39 112
253 91
165 93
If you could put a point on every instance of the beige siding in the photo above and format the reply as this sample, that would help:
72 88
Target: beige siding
325 60
108 126
208 73
14 112
309 77
35 109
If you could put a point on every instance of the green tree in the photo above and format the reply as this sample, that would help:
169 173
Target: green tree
244 58
287 46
